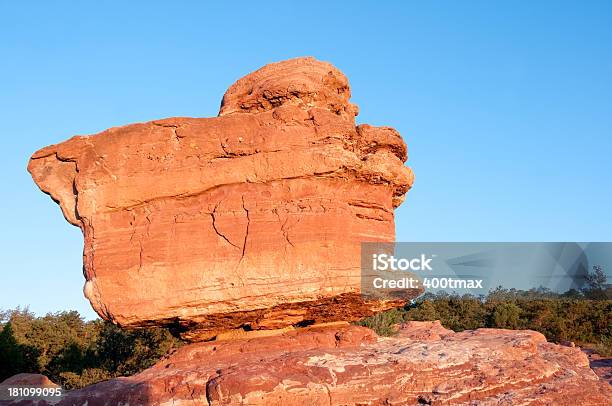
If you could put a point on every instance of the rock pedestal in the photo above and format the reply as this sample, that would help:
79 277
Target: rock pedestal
350 365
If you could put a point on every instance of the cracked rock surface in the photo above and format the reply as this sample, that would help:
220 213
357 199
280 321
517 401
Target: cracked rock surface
252 219
350 365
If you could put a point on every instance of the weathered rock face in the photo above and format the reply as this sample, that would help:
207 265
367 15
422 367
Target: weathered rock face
252 219
423 364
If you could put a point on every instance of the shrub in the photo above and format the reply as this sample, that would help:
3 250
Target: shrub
506 315
383 323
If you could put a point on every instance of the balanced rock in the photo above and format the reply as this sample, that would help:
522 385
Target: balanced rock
252 219
350 365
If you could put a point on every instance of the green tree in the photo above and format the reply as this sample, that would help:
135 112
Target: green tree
422 311
596 284
597 279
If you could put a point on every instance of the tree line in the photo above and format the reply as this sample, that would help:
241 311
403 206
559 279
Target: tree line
582 316
74 353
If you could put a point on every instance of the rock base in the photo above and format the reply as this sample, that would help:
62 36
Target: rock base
350 365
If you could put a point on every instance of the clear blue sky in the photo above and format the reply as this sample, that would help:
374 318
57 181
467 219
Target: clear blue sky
506 108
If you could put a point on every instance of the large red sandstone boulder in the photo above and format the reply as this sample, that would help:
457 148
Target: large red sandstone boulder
423 364
252 219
